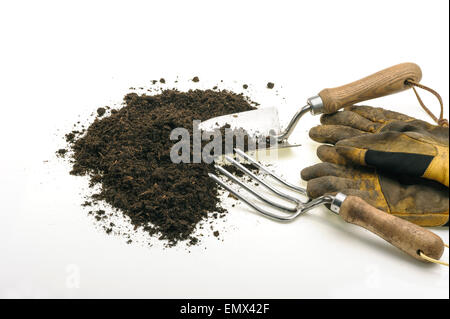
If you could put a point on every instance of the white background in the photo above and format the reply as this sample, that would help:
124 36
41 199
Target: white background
59 61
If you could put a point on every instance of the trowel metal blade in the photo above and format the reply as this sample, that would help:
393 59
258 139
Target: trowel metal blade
258 124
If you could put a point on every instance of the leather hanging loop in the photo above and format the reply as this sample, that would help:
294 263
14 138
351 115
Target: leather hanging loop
440 121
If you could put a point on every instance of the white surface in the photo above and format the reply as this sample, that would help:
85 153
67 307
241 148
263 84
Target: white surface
62 60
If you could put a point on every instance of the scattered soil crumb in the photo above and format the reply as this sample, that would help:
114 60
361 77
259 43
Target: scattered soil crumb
101 111
61 152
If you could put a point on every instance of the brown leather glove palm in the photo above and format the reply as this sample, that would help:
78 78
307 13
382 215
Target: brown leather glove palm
424 202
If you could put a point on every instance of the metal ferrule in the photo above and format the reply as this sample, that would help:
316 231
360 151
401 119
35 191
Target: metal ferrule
316 104
337 202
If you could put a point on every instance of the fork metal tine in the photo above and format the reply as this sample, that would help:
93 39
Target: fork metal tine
252 205
254 193
289 213
265 184
272 174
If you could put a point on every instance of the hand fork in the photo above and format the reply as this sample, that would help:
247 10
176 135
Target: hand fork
408 237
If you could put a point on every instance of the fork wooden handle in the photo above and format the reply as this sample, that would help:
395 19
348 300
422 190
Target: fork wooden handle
403 234
385 82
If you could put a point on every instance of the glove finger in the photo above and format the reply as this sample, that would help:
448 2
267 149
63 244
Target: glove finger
328 184
352 155
351 119
377 114
367 196
325 169
333 133
327 153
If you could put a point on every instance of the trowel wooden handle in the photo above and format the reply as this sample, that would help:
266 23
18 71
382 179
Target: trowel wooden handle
385 82
402 234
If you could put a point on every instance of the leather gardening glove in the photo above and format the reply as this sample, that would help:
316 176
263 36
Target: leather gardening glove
389 141
423 202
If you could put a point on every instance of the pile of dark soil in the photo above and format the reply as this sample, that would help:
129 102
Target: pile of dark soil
127 153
